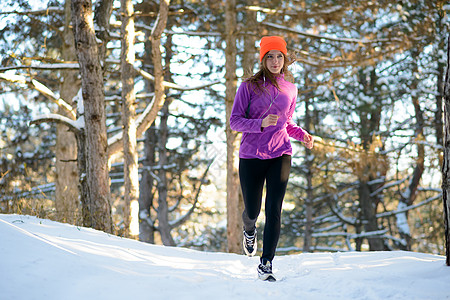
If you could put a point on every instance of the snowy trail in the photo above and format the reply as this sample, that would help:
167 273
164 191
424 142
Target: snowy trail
42 259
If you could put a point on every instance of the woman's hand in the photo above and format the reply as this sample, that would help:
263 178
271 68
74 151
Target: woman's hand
308 140
270 120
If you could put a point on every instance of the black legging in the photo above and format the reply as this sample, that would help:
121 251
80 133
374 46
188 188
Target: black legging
253 173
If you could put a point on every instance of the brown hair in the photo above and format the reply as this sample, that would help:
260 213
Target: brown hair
258 79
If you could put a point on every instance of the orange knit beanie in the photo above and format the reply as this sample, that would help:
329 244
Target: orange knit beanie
271 43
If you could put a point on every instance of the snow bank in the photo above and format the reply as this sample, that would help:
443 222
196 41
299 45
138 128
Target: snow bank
42 259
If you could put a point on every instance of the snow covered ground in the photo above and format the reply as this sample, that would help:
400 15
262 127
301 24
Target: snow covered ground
42 259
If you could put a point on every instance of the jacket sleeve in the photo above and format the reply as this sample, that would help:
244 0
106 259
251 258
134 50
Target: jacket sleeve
293 130
238 121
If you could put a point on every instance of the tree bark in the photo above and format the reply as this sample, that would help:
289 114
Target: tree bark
146 194
307 239
159 99
438 113
163 206
234 209
131 172
157 31
66 189
165 226
248 58
370 116
98 208
446 159
103 10
368 211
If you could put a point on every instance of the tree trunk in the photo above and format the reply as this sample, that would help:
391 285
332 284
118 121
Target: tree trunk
163 206
370 116
160 97
368 211
234 209
98 194
249 56
131 172
164 223
157 31
446 159
102 15
307 239
146 195
438 113
66 190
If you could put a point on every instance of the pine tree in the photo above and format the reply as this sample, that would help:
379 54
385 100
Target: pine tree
96 202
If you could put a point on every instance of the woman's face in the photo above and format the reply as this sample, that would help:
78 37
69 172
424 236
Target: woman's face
274 61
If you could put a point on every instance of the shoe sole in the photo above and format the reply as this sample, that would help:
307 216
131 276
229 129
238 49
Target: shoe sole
267 277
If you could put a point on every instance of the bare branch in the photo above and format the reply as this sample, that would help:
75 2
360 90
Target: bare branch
183 219
345 220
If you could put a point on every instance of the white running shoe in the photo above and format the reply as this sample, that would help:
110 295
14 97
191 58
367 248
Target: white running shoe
249 244
265 271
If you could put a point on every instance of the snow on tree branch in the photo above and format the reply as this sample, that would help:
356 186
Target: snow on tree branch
76 66
328 38
51 9
145 120
74 125
386 186
55 66
410 207
40 88
186 32
194 33
350 235
175 86
293 12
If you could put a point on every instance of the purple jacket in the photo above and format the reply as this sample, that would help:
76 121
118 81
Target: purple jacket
272 141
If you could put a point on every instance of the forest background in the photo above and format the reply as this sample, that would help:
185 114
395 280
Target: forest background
146 151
